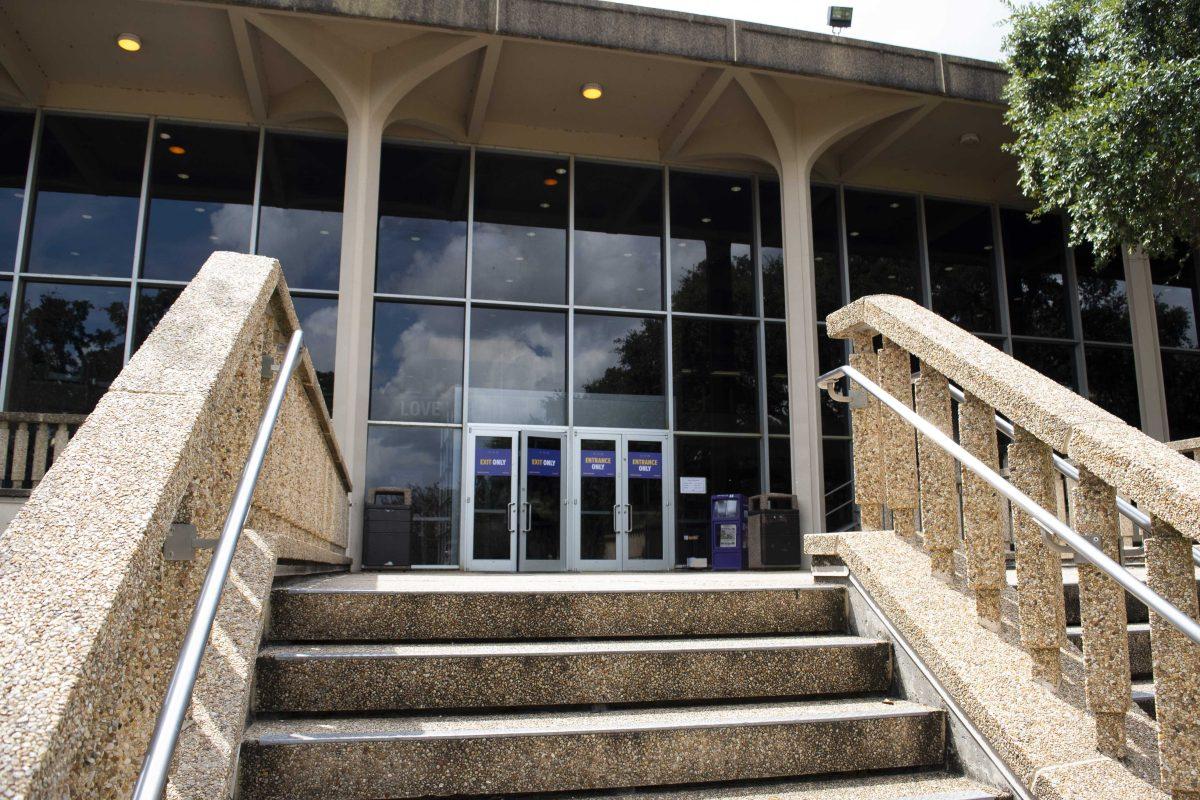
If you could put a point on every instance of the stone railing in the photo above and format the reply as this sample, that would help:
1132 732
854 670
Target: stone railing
92 614
1189 447
905 482
34 442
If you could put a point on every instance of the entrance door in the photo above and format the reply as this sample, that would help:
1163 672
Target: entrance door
622 502
515 504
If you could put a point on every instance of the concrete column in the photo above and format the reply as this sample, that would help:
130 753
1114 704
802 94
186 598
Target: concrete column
938 491
899 442
1170 572
800 299
1039 568
1102 614
981 511
865 426
1147 360
352 360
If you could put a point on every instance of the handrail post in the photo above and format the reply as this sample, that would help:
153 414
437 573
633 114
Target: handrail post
939 492
865 427
1102 616
981 511
1170 573
899 442
1039 568
153 778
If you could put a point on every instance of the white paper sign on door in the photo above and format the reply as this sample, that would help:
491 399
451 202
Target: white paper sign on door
693 485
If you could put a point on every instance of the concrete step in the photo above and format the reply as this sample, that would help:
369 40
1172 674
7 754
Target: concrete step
333 678
1143 695
936 785
313 610
1139 647
416 756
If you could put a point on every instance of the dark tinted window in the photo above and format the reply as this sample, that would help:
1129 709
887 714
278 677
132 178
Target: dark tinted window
520 240
779 454
711 239
839 484
70 345
1112 381
619 372
16 136
770 215
5 296
318 320
1103 305
89 178
152 304
618 236
300 214
777 377
962 266
201 197
1181 382
1053 360
827 248
1033 265
832 353
417 362
729 465
1175 299
716 385
882 243
518 366
422 221
424 460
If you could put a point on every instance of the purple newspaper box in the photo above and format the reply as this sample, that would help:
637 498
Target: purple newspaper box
729 515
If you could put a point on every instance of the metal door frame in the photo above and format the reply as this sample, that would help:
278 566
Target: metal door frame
564 496
468 508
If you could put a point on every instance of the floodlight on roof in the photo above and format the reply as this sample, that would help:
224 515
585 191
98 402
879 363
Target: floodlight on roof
840 17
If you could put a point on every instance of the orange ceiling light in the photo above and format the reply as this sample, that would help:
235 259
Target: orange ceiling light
176 150
551 181
591 91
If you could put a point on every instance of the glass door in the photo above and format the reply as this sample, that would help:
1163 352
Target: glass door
490 500
599 521
544 500
646 502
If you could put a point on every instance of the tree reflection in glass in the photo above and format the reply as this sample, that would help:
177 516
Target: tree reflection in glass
882 244
618 236
716 375
1034 264
70 346
16 135
712 270
1103 303
1112 381
1175 298
962 265
770 216
152 304
619 366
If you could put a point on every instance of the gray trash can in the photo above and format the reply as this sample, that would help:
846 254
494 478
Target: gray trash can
387 529
773 535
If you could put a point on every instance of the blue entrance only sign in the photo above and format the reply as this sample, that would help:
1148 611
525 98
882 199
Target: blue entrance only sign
645 465
598 464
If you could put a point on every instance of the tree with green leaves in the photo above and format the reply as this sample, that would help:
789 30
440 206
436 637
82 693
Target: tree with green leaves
1104 100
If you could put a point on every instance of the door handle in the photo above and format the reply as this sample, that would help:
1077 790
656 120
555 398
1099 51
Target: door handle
512 517
628 518
527 517
617 526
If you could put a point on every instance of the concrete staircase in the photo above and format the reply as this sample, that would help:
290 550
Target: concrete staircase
524 685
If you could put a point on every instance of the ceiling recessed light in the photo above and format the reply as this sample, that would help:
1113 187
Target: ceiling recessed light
414 238
176 150
854 233
1035 222
706 220
987 247
183 176
893 205
591 91
629 255
324 233
561 171
129 42
735 188
520 258
551 181
86 216
74 252
969 139
214 238
199 209
531 234
543 205
164 135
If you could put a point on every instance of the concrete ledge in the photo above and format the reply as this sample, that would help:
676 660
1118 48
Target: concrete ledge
1049 743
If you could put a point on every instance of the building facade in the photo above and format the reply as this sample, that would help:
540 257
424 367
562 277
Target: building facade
561 322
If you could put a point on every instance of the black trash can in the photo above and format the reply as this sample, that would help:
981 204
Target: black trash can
773 535
387 529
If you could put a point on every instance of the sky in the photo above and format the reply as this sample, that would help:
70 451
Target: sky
958 27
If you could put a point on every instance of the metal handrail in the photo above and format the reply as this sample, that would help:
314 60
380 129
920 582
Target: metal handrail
1046 520
153 778
1128 510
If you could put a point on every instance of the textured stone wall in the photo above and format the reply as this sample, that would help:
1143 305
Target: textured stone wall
91 616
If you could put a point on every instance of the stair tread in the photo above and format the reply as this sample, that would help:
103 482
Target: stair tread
904 786
564 648
305 730
573 583
1143 688
1132 627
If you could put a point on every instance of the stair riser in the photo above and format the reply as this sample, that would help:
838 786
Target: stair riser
1140 664
494 765
1135 611
384 684
387 617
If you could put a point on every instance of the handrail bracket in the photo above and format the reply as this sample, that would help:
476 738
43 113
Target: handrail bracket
183 541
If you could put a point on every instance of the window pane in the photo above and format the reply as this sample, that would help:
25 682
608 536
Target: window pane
422 221
300 218
711 220
1033 265
779 452
618 236
518 366
839 486
318 320
619 366
1103 305
962 265
729 465
5 296
427 461
1175 299
1112 381
827 249
88 181
16 136
832 353
883 256
201 198
70 345
770 231
1181 382
520 244
417 363
152 304
716 383
777 377
1056 361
